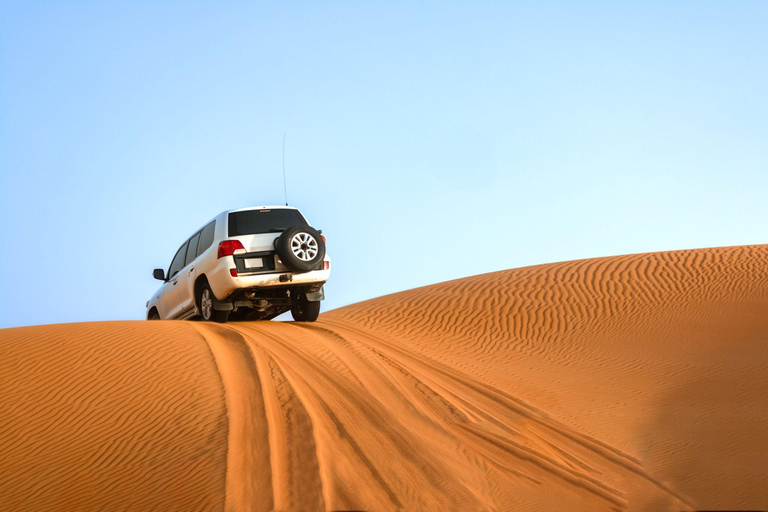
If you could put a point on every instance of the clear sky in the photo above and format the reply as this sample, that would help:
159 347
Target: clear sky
429 141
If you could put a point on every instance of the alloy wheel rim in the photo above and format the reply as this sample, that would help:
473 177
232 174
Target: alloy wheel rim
304 246
206 304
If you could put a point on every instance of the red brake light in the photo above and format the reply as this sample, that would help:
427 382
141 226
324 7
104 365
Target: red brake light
323 237
326 265
228 247
233 272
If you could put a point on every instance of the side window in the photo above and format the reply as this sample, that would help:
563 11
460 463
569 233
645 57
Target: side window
178 261
206 237
192 251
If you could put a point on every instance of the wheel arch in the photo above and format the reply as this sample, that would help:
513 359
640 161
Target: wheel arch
199 282
153 312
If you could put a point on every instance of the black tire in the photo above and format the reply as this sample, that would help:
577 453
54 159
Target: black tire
205 300
304 310
300 255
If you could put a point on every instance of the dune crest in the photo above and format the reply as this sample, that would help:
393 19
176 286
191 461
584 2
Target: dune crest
632 382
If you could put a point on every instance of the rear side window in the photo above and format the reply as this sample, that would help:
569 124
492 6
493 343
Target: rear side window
206 238
253 222
178 261
192 250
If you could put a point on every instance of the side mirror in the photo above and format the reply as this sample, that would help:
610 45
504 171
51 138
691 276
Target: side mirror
159 273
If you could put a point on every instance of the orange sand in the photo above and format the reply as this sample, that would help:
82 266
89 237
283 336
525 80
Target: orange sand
633 382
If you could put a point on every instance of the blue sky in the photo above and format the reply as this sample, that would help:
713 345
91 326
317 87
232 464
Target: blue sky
429 141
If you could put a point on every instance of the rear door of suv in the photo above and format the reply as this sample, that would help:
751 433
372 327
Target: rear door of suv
257 231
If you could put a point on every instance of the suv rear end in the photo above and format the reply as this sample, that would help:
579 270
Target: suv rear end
250 273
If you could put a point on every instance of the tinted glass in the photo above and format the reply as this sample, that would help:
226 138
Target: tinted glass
254 222
206 238
192 250
178 261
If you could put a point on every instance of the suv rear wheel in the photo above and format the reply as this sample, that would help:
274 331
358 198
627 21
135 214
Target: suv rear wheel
205 304
304 310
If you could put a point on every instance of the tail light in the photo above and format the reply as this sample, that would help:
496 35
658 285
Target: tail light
323 237
228 247
233 272
326 265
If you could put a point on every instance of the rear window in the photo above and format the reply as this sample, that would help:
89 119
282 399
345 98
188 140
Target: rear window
253 222
206 237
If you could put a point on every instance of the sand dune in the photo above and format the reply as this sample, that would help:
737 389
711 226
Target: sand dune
636 382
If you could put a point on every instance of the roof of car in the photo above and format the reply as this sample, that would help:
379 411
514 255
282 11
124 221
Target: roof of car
267 207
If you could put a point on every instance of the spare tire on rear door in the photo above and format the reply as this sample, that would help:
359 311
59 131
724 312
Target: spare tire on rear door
300 248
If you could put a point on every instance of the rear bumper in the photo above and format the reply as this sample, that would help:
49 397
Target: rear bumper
223 284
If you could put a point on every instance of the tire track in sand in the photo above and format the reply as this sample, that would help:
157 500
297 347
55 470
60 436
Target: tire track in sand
286 428
248 473
272 456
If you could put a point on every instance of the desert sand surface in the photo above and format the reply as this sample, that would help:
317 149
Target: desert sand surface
635 382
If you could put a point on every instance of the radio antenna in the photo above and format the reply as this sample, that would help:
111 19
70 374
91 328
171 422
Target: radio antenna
285 188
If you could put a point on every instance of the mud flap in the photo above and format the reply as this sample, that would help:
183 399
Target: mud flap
316 296
222 305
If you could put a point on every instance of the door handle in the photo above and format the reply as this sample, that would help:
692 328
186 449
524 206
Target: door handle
174 283
190 270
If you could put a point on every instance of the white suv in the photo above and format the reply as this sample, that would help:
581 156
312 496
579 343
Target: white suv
252 263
